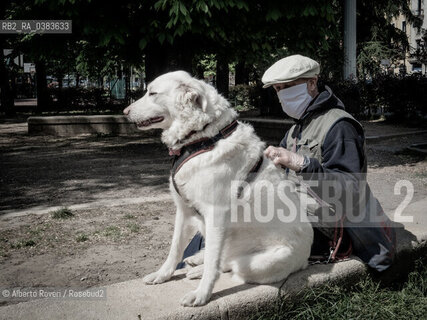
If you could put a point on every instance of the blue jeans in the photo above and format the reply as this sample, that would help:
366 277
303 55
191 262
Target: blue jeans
193 247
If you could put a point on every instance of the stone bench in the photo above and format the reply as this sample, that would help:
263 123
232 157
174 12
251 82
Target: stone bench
75 125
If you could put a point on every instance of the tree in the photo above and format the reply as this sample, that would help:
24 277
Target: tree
7 94
171 34
377 37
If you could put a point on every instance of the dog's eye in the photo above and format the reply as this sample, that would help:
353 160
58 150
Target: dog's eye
152 93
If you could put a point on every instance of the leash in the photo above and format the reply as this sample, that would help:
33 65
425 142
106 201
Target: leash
335 243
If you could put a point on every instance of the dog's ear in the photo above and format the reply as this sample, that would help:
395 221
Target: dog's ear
190 96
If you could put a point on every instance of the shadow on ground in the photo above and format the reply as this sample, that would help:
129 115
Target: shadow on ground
37 170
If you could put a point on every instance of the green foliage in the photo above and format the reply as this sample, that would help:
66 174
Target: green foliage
133 227
420 53
242 97
108 36
402 99
22 244
81 99
94 62
63 213
81 237
208 64
351 94
364 300
112 232
370 55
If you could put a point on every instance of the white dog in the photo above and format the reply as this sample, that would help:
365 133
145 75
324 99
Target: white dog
252 241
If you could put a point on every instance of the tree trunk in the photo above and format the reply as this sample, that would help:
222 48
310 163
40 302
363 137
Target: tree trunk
242 74
127 85
60 81
42 93
77 80
6 92
222 75
7 96
182 54
155 61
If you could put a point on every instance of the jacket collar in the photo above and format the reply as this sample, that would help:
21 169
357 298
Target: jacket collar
323 101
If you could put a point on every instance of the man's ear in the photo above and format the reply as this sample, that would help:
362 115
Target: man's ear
312 86
191 96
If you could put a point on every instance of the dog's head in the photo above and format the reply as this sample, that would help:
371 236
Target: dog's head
177 102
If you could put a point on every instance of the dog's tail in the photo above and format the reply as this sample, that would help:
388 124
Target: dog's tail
268 266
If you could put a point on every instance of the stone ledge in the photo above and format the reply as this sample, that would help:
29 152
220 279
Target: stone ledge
267 129
270 130
394 135
76 125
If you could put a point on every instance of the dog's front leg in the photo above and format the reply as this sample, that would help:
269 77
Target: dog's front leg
180 235
215 234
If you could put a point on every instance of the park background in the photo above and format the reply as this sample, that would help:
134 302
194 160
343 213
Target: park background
116 48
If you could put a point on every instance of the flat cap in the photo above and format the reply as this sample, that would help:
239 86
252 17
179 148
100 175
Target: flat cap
289 69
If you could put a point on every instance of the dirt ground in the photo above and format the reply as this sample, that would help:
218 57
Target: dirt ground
129 236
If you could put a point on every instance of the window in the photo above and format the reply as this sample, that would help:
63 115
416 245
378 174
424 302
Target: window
416 68
404 26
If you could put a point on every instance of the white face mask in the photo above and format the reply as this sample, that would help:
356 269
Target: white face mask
295 100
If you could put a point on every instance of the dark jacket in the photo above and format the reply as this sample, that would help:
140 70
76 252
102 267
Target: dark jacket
344 162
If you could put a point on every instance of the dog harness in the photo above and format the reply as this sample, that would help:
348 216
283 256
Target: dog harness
193 149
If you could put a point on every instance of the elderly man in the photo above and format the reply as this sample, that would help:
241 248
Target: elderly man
327 145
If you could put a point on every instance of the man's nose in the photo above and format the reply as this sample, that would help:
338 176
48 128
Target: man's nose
126 111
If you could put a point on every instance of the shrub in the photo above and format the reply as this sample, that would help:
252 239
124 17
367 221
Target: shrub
112 231
63 213
351 94
81 237
400 98
404 98
82 99
241 97
133 227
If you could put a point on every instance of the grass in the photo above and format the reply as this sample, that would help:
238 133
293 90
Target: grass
23 243
364 300
421 175
112 231
133 227
63 213
81 237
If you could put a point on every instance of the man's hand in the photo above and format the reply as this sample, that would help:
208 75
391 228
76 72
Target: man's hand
285 158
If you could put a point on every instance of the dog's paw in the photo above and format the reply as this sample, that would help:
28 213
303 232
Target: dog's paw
195 260
195 298
156 278
195 273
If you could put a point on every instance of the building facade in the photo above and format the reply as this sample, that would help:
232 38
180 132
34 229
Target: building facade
416 56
